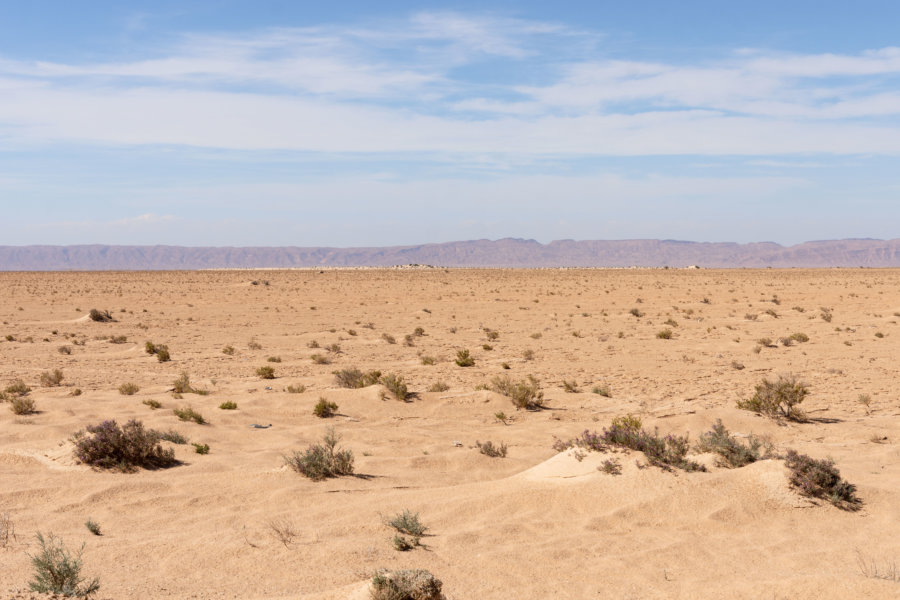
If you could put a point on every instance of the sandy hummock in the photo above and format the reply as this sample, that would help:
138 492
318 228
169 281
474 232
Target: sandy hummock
536 524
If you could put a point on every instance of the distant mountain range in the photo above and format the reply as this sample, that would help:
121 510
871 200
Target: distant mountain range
508 252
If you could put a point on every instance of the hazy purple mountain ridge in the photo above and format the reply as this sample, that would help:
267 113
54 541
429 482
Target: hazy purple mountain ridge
507 252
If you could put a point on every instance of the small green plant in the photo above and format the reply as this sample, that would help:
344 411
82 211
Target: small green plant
186 413
428 360
173 437
67 350
320 461
636 313
17 388
406 584
489 449
296 389
200 448
265 372
320 359
403 543
731 452
866 401
487 347
665 334
118 339
228 405
153 404
182 385
57 571
464 359
570 387
388 338
324 409
229 350
396 386
51 378
93 527
408 522
528 354
129 389
602 390
254 345
737 366
525 394
777 399
419 332
162 354
274 359
800 337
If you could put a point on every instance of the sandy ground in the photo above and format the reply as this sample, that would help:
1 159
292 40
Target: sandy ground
536 524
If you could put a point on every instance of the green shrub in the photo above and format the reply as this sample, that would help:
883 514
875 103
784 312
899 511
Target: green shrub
396 386
525 394
56 571
438 386
265 372
428 360
182 385
665 334
101 316
408 522
324 409
149 347
320 359
777 399
229 350
200 448
126 448
602 390
228 405
464 359
22 405
93 527
320 461
186 413
388 338
173 437
296 389
274 359
354 378
128 389
406 584
154 404
162 354
731 452
571 387
17 388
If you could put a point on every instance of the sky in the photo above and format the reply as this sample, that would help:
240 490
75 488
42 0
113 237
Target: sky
272 123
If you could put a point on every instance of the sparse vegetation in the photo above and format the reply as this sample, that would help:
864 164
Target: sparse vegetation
464 359
154 404
296 389
388 338
406 584
186 413
408 522
777 399
489 449
51 378
438 386
610 466
100 316
602 390
229 350
820 479
320 359
129 389
428 360
324 409
570 387
396 386
636 313
126 448
93 527
665 334
173 437
266 372
57 571
731 452
525 394
320 461
200 448
22 405
354 378
228 405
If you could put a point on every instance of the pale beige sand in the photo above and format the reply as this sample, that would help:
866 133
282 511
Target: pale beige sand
534 525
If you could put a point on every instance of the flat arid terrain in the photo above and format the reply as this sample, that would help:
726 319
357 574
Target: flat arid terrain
675 348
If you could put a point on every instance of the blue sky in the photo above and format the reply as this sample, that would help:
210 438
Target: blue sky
360 123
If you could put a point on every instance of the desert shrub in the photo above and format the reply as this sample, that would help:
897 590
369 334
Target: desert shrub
118 339
154 404
777 399
320 461
406 584
671 322
200 448
51 378
162 354
636 312
229 350
101 316
7 530
737 366
396 386
186 413
320 359
64 350
149 347
438 386
296 389
324 409
525 394
312 344
22 405
610 466
265 372
182 385
126 448
765 342
464 359
571 387
602 390
408 522
665 334
491 334
528 354
388 338
254 345
403 543
825 314
419 332
409 340
93 527
627 432
820 479
129 389
487 347
274 359
731 452
354 378
57 571
173 437
17 388
428 360
228 405
800 337
489 449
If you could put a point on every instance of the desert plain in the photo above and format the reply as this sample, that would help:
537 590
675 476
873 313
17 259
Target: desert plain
535 524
